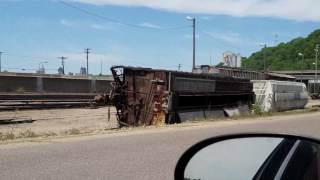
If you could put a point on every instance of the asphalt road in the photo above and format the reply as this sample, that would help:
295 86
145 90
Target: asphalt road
139 154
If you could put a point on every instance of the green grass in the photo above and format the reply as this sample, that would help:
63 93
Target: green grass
73 131
47 134
10 135
7 136
23 134
257 109
258 113
27 134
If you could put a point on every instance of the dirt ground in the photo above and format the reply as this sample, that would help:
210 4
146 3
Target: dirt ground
32 123
58 121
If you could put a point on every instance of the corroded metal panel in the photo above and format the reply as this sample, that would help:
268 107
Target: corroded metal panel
145 94
194 85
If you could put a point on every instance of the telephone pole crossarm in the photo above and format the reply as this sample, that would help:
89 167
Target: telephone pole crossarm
62 63
87 51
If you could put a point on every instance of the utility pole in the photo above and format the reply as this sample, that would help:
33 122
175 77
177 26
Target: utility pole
179 67
62 63
302 56
264 46
193 19
87 51
41 69
0 62
316 73
194 43
276 39
101 63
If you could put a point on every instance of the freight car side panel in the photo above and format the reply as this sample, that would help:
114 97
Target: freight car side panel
193 85
197 97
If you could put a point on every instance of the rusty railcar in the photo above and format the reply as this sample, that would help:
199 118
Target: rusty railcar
145 96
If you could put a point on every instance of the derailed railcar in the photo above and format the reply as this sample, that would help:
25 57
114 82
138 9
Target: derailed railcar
275 96
144 96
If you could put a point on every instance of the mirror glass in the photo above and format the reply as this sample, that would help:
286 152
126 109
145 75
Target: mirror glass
255 158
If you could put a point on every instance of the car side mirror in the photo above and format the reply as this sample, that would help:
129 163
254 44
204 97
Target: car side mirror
251 156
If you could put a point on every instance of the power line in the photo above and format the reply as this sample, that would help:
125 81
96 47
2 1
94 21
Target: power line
28 69
117 21
26 56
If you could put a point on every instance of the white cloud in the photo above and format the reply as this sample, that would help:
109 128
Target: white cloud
96 26
149 25
66 22
205 17
229 37
190 36
103 27
300 10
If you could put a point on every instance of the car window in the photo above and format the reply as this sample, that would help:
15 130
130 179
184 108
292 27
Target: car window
304 163
232 159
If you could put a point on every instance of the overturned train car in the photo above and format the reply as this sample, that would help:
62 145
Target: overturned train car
144 96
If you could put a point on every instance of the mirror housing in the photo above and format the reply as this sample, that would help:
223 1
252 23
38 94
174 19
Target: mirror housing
215 141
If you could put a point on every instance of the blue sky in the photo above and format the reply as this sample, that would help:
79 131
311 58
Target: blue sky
139 32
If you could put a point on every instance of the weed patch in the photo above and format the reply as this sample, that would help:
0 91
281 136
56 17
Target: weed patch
73 131
27 134
7 136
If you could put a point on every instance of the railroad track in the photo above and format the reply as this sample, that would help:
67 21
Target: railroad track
44 101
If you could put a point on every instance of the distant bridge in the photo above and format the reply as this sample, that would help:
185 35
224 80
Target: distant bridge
309 77
304 75
244 73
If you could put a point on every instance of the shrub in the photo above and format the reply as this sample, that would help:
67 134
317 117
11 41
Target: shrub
7 136
27 133
73 131
257 109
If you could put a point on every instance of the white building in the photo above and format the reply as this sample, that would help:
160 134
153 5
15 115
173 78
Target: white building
231 59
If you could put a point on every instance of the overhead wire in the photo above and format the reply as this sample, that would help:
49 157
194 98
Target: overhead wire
29 69
117 21
26 56
96 15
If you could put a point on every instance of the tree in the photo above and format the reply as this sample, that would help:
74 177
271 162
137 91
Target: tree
285 55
